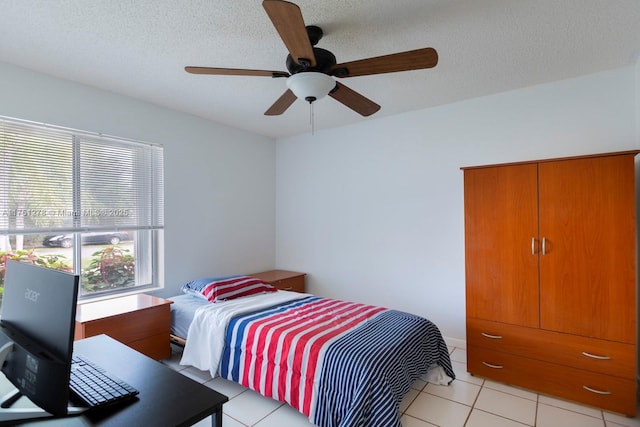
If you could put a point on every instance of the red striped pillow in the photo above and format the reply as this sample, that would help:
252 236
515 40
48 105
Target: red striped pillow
235 287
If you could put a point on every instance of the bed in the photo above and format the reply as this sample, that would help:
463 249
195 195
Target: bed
339 363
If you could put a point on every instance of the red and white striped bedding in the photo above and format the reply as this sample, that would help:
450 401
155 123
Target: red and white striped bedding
339 363
206 334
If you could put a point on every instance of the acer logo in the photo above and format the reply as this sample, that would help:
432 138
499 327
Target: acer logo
31 295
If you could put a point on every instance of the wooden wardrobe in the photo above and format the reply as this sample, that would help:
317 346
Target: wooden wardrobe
550 250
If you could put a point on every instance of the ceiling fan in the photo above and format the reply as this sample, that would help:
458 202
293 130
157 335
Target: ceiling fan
311 70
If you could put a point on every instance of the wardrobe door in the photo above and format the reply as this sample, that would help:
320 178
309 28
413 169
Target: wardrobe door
501 248
587 225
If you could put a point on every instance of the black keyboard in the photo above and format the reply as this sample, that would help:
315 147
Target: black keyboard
96 387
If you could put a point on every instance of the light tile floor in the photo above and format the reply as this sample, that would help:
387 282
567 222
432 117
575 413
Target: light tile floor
467 402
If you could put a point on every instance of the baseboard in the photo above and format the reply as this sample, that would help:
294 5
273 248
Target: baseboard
455 342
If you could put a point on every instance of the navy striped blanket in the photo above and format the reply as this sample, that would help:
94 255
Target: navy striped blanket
340 363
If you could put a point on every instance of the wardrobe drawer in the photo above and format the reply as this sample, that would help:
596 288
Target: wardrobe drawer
604 391
605 357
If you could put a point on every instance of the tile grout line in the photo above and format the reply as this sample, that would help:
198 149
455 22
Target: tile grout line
482 386
473 405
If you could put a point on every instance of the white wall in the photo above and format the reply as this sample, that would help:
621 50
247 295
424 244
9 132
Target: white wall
219 182
374 212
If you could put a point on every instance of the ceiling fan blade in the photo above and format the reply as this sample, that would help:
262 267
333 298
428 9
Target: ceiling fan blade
352 99
287 18
281 105
403 61
235 72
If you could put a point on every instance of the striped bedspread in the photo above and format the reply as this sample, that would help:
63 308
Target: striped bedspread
339 363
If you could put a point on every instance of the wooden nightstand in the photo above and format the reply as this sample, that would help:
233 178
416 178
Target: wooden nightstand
142 322
282 279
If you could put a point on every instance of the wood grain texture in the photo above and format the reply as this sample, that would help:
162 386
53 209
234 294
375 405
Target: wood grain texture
234 72
154 346
283 279
141 321
352 99
282 103
567 319
587 278
556 380
501 219
286 17
417 59
563 349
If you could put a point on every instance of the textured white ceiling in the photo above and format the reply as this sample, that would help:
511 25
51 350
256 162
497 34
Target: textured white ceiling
139 48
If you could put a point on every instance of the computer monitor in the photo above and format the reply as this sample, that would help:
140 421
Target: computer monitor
37 321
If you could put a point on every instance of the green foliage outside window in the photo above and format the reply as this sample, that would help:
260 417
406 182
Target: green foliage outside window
109 268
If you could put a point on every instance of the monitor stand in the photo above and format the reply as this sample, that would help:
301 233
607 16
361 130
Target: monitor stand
9 414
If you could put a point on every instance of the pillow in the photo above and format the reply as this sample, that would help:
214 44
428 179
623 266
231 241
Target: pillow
217 289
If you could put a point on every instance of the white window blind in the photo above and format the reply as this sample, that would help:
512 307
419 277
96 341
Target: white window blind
82 202
121 185
55 180
36 179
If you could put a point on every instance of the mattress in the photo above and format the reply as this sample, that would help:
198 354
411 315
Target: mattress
183 310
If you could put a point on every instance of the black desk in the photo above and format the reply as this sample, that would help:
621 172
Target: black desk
167 398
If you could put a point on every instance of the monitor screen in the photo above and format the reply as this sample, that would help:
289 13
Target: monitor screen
38 314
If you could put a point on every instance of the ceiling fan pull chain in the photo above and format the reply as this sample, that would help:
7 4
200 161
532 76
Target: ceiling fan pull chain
311 116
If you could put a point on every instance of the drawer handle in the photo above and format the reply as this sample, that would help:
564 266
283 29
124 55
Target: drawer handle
492 366
595 356
592 390
288 288
493 337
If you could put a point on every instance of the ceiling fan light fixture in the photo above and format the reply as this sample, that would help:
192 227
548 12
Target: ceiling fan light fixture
310 85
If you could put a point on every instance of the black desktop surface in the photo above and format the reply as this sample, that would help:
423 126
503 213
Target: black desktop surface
167 398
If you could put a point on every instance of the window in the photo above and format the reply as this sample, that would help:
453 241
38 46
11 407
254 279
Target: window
84 203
